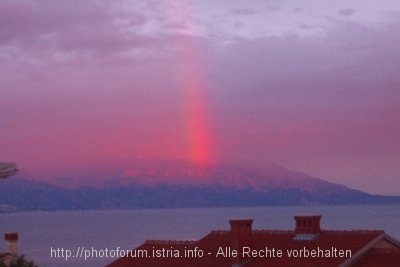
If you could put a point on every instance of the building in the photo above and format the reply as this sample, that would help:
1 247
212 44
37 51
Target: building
11 240
241 246
11 256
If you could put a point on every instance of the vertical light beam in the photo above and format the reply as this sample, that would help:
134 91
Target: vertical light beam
194 87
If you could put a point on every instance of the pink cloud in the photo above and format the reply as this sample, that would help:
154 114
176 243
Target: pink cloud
87 83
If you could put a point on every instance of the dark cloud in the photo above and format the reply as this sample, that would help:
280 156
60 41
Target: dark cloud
297 9
346 12
20 20
306 26
244 11
64 27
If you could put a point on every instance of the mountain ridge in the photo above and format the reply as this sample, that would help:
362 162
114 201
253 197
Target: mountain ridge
181 184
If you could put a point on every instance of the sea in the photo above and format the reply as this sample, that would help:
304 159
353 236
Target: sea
42 233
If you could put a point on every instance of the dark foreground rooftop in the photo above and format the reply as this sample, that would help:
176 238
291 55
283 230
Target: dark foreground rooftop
242 246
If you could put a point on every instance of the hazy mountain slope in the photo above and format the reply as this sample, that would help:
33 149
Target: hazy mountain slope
180 184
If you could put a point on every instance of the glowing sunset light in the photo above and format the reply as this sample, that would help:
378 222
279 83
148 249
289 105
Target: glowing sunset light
192 83
199 146
312 86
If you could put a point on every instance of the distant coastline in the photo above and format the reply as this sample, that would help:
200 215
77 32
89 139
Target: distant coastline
24 195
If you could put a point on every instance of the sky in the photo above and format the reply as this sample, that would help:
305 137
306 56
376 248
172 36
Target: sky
310 85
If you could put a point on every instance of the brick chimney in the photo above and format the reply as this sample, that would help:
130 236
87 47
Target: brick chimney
241 234
11 242
307 227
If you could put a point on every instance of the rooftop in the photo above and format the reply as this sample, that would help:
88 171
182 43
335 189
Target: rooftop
272 248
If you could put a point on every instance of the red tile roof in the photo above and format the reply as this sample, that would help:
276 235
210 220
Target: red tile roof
326 242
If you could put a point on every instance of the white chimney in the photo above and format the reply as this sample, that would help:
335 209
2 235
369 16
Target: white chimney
11 242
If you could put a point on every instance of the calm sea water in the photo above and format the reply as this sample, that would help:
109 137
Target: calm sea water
41 231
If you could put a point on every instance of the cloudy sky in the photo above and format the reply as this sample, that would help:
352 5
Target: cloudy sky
310 85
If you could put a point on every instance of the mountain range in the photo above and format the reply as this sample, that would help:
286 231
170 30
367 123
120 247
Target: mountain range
177 184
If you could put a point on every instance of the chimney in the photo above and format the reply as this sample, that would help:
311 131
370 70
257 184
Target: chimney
307 227
11 242
241 235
